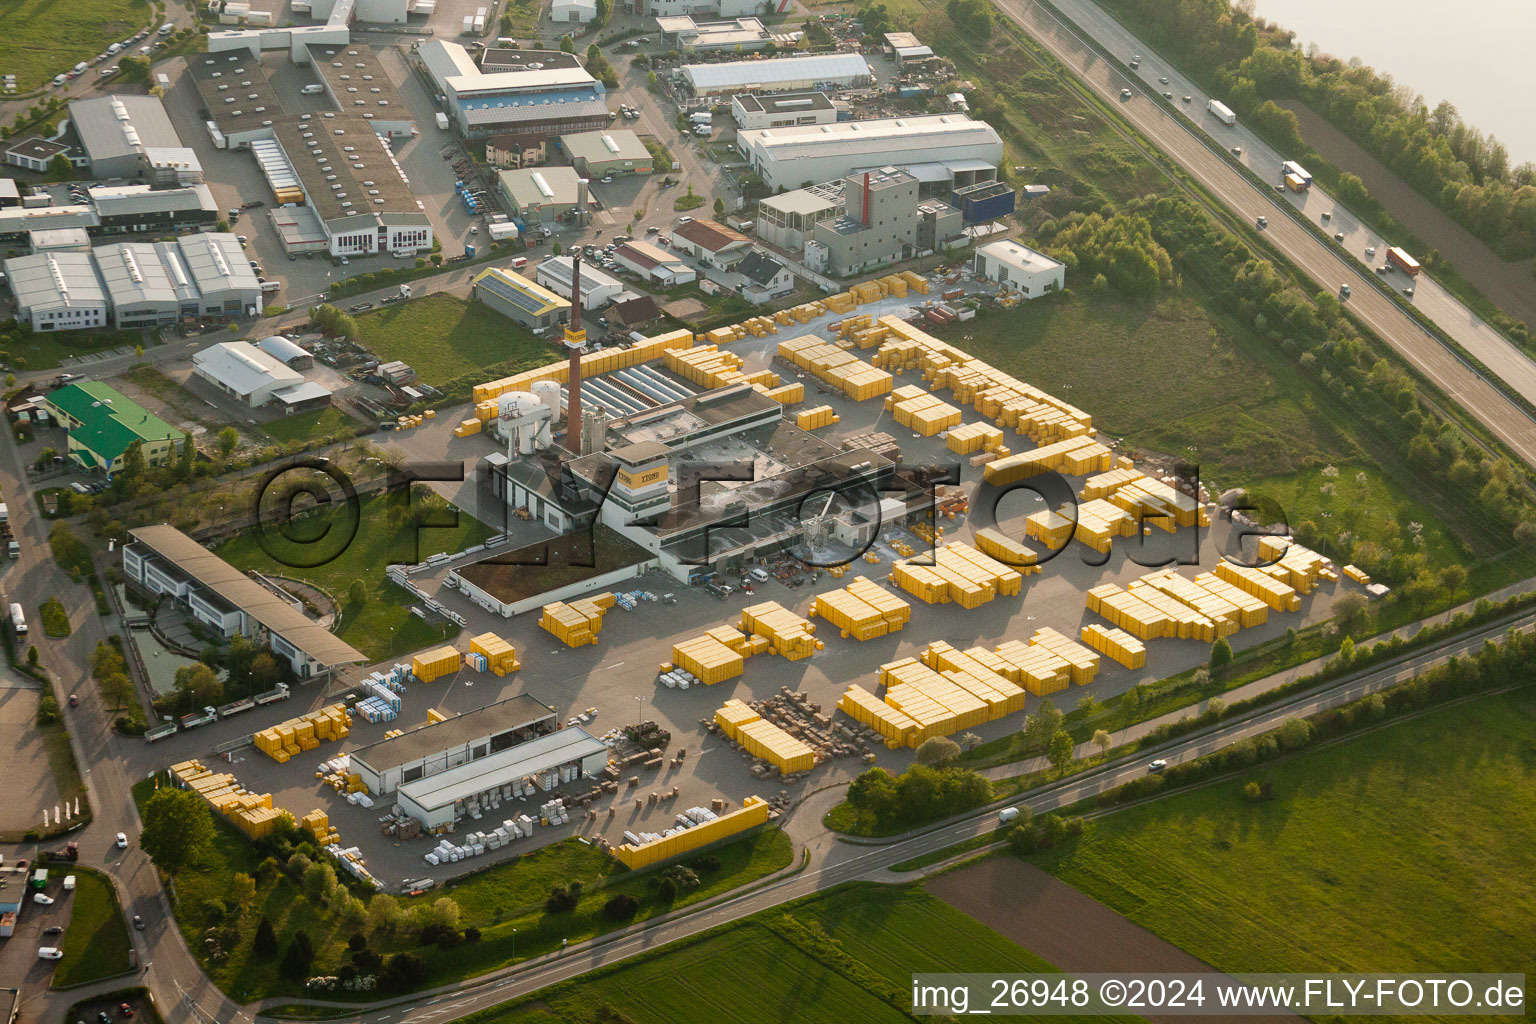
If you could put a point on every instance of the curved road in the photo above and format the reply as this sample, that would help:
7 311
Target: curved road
1327 266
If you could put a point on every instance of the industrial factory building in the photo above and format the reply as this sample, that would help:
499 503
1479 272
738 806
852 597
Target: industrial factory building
538 765
816 73
738 34
514 296
596 154
256 379
465 739
116 210
126 136
879 218
550 94
778 111
544 195
948 150
597 288
356 83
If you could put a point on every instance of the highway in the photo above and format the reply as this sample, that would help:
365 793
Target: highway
1327 265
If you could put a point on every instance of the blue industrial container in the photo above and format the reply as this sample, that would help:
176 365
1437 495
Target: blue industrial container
988 201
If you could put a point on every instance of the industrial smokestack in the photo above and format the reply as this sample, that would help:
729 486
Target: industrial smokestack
575 338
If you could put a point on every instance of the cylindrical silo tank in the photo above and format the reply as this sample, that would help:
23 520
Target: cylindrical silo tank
548 392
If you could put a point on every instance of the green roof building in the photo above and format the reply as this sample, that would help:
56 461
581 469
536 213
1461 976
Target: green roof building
102 424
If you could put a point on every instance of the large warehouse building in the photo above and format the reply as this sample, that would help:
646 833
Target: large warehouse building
103 424
117 210
463 739
558 97
597 288
163 560
512 295
947 150
537 766
357 84
816 73
58 291
595 154
147 284
127 136
256 379
543 195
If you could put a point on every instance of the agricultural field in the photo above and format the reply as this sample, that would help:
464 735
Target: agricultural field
382 626
847 955
1427 823
445 338
96 942
44 38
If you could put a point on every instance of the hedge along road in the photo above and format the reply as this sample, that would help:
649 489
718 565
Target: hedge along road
1456 378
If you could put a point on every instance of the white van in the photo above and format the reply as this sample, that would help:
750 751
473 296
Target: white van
50 953
270 287
69 883
313 89
114 49
167 28
60 79
81 68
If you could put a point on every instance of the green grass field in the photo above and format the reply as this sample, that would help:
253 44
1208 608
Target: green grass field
383 626
44 38
847 955
96 942
1409 848
45 351
444 338
310 426
505 901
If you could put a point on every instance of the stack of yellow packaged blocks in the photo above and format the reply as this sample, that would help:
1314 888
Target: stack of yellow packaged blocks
318 824
500 656
862 610
895 727
290 738
251 813
1017 556
1074 456
1293 564
1280 596
1359 575
1116 644
973 437
959 573
787 394
764 739
976 670
788 634
815 419
592 364
436 663
752 813
578 623
718 655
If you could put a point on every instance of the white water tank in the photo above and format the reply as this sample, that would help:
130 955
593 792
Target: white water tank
548 392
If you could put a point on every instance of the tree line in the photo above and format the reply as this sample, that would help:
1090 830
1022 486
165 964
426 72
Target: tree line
1251 63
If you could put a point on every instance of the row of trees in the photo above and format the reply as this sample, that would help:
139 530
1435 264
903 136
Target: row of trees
922 793
1119 247
1249 63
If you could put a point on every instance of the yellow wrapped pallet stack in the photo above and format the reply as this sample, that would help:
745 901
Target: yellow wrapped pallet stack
788 634
1280 596
765 740
578 623
1360 576
435 663
710 658
1017 556
1035 667
816 418
1116 644
788 394
976 671
732 716
499 654
468 427
865 708
752 813
1082 663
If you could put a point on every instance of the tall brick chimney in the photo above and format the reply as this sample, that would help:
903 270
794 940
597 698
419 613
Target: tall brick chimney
575 338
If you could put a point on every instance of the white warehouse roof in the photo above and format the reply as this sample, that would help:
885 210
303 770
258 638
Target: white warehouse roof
821 67
244 368
55 281
281 349
503 767
1017 254
939 134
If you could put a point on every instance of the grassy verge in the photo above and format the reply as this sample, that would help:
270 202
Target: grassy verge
96 942
445 338
505 902
308 426
846 955
45 351
55 619
382 626
1434 848
47 37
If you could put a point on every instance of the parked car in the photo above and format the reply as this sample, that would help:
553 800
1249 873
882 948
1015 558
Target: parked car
42 899
74 701
122 841
57 929
1125 94
138 923
124 1010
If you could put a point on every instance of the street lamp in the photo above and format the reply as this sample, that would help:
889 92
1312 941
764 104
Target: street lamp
640 711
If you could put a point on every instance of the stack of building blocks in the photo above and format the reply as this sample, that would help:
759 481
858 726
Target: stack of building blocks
959 574
806 312
468 427
318 824
1360 576
1281 597
578 623
923 413
291 738
1116 644
969 438
1225 614
788 634
1185 622
732 716
1017 556
763 739
816 418
1051 529
436 663
976 670
1099 523
1160 504
862 610
752 813
1082 663
593 363
843 370
916 282
1251 610
842 302
787 394
434 716
1293 563
1102 485
938 705
716 656
251 813
1074 456
866 292
1035 667
499 655
895 727
707 366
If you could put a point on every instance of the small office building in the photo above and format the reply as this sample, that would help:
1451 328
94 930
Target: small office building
545 195
1017 266
777 111
598 154
712 243
597 288
654 264
103 423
